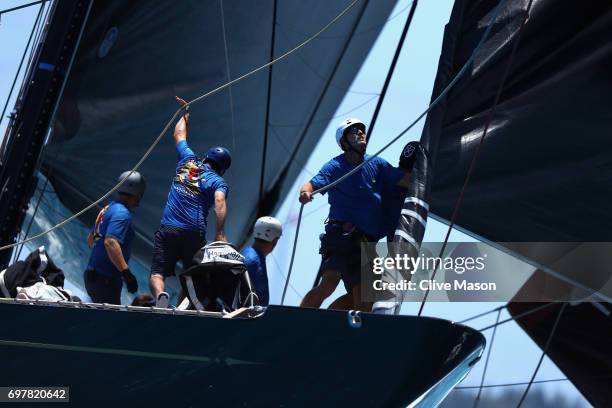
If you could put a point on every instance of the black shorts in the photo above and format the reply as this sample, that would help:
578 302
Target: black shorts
341 252
173 244
102 289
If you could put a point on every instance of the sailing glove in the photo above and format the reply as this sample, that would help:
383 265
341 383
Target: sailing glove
130 280
408 155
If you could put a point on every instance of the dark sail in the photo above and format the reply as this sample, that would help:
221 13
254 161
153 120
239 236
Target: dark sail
135 56
544 170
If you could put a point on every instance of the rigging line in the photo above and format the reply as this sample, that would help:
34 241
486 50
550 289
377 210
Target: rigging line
268 102
434 103
340 115
396 55
25 51
305 130
22 6
481 314
484 372
510 384
320 76
297 233
173 118
227 67
278 268
480 143
326 87
365 30
282 144
520 315
548 341
37 37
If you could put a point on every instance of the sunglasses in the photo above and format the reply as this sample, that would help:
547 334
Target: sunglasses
354 130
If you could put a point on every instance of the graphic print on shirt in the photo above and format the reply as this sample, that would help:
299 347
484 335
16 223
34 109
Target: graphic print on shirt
189 175
98 224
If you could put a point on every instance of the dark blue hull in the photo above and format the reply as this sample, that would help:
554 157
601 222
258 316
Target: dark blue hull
287 357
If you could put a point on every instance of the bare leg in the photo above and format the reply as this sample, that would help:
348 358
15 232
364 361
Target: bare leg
316 295
157 285
344 302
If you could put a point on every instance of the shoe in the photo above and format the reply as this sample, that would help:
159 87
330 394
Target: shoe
162 301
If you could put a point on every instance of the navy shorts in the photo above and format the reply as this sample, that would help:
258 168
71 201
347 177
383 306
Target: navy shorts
173 244
102 289
341 252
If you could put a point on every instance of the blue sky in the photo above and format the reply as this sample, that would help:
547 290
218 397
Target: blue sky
514 355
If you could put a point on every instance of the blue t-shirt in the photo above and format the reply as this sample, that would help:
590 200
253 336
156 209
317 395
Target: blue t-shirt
192 192
357 199
256 266
113 221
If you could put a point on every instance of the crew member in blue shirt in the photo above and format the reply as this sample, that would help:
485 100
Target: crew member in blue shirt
111 243
267 231
197 186
355 214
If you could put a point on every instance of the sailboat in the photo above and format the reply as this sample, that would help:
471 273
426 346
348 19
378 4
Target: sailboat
96 89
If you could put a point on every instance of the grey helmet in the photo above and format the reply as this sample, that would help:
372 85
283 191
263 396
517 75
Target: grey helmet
134 185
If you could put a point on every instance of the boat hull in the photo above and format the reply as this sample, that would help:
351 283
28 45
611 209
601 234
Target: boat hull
285 357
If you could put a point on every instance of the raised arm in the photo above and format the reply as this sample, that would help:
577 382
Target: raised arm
180 130
220 211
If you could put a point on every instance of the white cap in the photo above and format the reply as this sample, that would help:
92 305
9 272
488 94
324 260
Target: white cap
345 124
267 229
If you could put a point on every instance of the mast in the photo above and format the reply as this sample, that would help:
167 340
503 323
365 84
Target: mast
34 111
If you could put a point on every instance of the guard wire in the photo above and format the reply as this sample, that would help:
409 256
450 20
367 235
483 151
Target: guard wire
548 341
173 118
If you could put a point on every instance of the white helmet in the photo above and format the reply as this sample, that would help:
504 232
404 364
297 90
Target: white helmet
135 184
345 124
267 229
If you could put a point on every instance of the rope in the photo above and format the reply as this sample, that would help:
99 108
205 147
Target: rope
327 119
385 87
295 240
481 314
317 74
402 133
398 51
484 372
365 30
480 143
173 118
227 67
548 341
267 119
